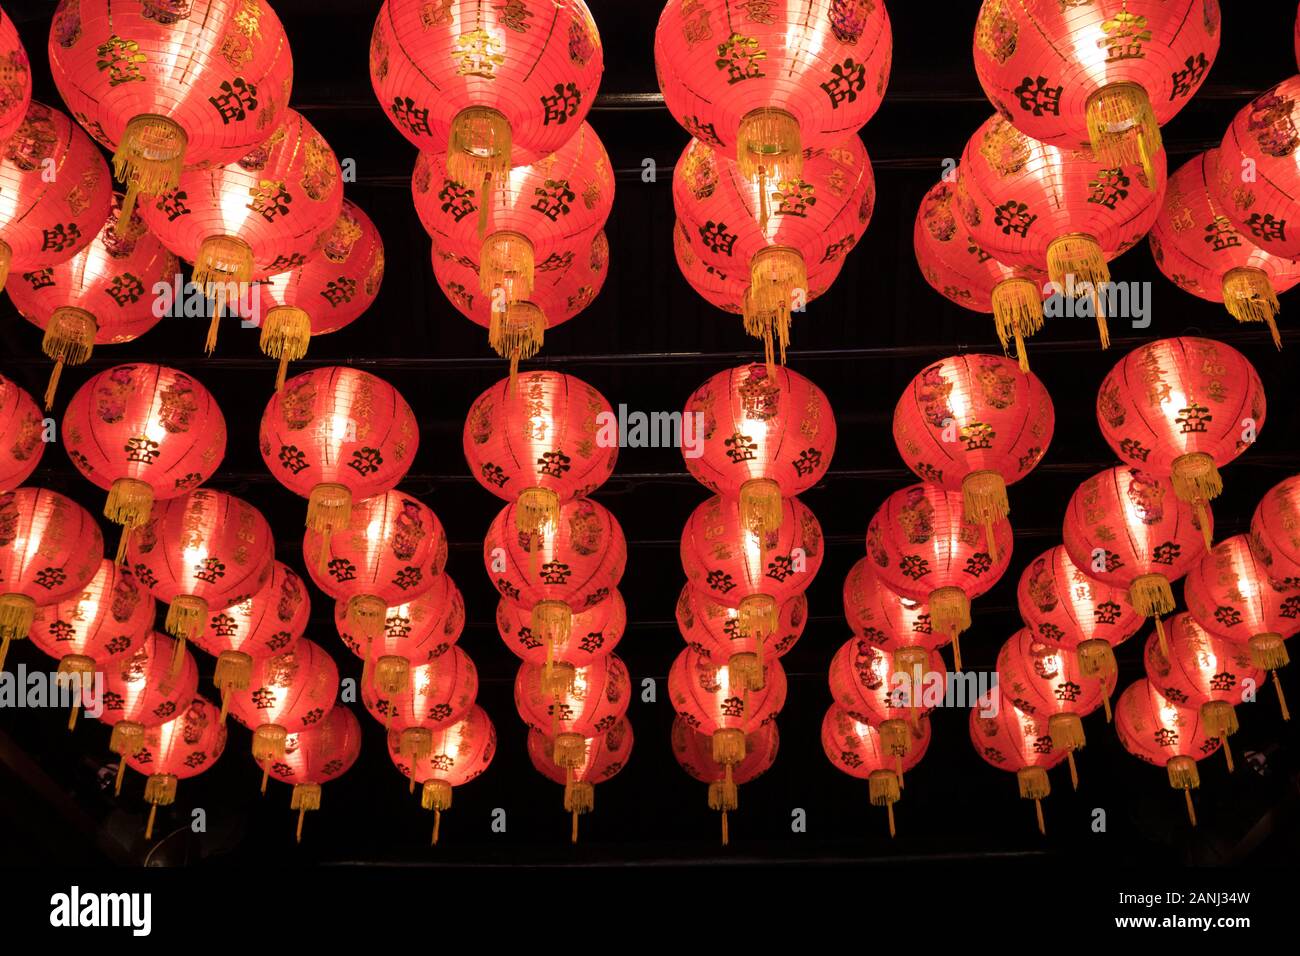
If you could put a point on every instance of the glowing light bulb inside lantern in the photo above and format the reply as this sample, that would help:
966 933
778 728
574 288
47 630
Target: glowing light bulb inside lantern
373 531
1090 51
235 210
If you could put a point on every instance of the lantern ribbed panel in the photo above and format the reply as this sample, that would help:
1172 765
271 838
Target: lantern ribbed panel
319 753
294 690
144 688
596 701
1043 679
873 685
1275 534
50 547
694 753
713 629
108 617
21 428
1155 729
419 630
883 617
858 749
1229 595
707 697
458 753
1064 606
185 746
1200 666
266 623
593 633
16 85
434 696
600 759
1010 739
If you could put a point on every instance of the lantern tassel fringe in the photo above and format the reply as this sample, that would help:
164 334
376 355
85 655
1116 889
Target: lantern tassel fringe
69 340
149 159
1076 262
1123 129
1017 314
286 333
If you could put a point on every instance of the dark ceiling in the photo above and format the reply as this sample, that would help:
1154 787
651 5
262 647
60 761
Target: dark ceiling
648 341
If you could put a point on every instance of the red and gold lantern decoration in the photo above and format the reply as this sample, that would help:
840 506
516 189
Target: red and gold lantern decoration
694 753
416 702
15 78
887 619
859 749
1021 743
313 757
21 435
457 754
418 631
593 634
712 629
602 757
596 696
184 747
1275 534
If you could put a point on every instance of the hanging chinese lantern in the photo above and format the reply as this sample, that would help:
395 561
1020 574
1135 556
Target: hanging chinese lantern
779 231
595 699
101 296
418 631
559 576
457 754
491 86
47 219
1199 249
1203 671
1043 680
975 424
394 551
15 78
1106 75
859 749
1230 596
50 550
1063 606
1182 407
21 431
960 270
183 747
143 433
888 620
712 629
1010 739
1158 731
540 441
766 434
421 700
1034 205
694 753
602 757
766 83
594 633
923 546
262 625
336 435
92 629
169 86
286 693
327 292
1275 534
146 689
1124 528
314 756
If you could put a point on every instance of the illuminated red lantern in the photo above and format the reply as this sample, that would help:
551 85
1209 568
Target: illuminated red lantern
766 83
171 85
694 753
21 435
143 433
594 700
924 546
956 267
1275 534
859 749
720 705
50 550
1125 529
1231 597
1160 732
335 435
491 86
327 292
457 754
594 633
48 219
394 551
888 620
184 747
540 441
1106 75
101 296
314 756
1034 205
712 629
975 424
1044 681
262 625
767 434
16 82
1010 739
602 757
418 631
95 627
561 575
421 700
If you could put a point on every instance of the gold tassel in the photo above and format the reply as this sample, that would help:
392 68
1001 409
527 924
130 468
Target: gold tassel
159 791
366 615
126 738
415 743
186 617
517 332
745 670
436 796
69 340
234 671
148 160
130 504
479 147
82 668
1017 314
537 512
775 272
1184 776
763 324
984 500
268 743
17 611
506 263
559 678
757 616
1075 260
1067 734
761 506
569 750
1249 296
728 746
306 796
1034 785
1123 129
1096 658
883 788
552 622
392 675
222 262
1151 596
579 798
286 331
769 145
1196 480
950 614
1220 719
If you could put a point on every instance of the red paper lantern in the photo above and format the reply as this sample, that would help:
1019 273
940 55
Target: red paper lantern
171 85
765 83
923 546
712 629
718 703
50 550
975 424
457 754
540 441
1182 407
490 85
1066 210
1106 74
16 84
960 270
143 433
336 435
1125 529
394 551
418 631
595 698
887 619
766 435
21 435
602 757
315 756
594 633
415 702
48 219
1160 732
559 576
183 747
1203 671
694 753
1275 534
1012 740
859 750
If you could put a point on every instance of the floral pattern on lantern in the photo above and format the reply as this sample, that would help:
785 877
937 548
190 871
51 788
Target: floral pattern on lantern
859 750
457 754
694 753
314 756
184 747
1010 739
21 429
